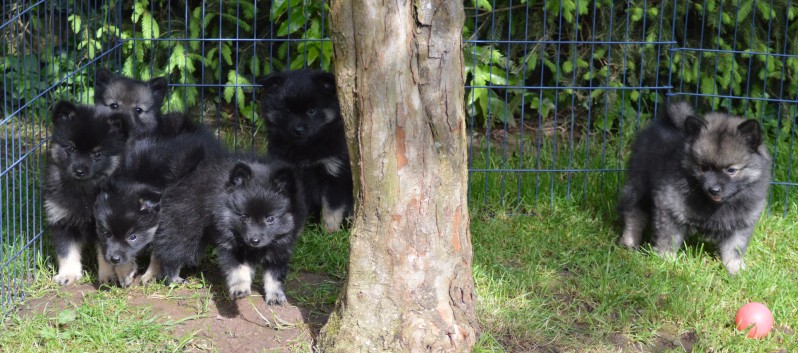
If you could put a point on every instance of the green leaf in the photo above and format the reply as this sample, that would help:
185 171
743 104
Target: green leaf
567 67
127 67
75 20
178 58
149 27
636 14
531 61
483 4
278 8
289 27
708 85
236 22
227 54
254 65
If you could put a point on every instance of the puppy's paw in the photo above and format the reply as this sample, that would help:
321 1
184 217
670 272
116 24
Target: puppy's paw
106 274
153 271
628 241
239 281
273 289
67 277
332 218
274 296
240 290
734 267
149 277
174 280
125 273
666 252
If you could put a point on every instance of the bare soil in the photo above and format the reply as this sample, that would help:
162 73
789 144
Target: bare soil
215 322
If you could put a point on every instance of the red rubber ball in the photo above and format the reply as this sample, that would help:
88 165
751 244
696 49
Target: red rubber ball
756 318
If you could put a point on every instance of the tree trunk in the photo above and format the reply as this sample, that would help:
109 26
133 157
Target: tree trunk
399 70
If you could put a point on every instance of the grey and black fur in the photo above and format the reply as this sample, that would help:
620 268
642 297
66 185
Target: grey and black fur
85 150
688 174
305 127
253 212
127 211
141 99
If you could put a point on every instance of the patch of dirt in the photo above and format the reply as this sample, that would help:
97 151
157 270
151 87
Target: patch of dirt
216 323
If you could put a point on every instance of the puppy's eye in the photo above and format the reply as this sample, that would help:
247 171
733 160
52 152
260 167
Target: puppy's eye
69 149
703 168
132 237
311 112
107 234
243 218
731 171
269 220
139 110
114 106
97 155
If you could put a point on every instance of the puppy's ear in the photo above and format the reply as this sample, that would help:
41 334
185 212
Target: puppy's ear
158 87
751 131
64 112
102 78
150 201
325 80
284 181
678 113
271 83
693 126
240 175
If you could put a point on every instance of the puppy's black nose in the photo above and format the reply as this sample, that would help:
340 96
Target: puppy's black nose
299 130
714 190
79 171
116 259
254 241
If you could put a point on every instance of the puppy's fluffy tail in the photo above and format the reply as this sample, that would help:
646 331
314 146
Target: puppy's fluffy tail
678 112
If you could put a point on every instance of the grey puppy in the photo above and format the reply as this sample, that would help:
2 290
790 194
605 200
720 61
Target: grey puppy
689 175
141 99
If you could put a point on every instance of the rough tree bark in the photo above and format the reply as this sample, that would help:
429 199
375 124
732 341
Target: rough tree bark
399 69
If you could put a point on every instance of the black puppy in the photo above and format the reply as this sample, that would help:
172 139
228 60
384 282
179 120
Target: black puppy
252 211
86 148
127 211
305 127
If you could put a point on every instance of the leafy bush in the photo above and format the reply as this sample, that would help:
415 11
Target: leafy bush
606 62
210 50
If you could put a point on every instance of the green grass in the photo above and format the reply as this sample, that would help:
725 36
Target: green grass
556 280
103 322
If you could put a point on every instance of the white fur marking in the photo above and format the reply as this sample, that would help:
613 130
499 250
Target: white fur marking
115 160
239 281
332 218
70 269
273 289
105 270
125 273
333 165
55 212
153 271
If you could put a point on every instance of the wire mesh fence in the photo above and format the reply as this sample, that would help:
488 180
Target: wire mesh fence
555 90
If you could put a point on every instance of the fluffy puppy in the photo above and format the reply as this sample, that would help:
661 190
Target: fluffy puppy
689 174
142 100
305 128
86 148
252 211
127 212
